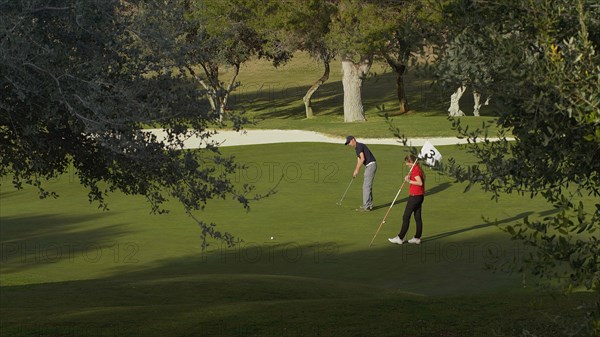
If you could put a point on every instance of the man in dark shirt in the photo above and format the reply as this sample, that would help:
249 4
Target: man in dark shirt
364 157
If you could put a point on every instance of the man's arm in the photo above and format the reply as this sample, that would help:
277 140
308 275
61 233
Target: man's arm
359 161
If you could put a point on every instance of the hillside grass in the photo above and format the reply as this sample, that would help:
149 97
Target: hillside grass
272 99
68 268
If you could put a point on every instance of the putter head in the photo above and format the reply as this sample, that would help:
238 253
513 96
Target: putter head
338 203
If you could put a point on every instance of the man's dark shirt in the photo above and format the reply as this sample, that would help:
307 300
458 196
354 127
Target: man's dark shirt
369 157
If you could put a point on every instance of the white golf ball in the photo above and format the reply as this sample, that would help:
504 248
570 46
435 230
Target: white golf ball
271 238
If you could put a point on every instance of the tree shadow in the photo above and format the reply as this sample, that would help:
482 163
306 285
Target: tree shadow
480 226
190 294
488 224
286 103
18 228
7 195
434 190
328 100
549 212
29 242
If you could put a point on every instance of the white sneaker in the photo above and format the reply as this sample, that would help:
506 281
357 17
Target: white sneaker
396 239
415 241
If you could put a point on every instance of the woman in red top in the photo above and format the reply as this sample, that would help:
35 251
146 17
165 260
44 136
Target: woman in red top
416 179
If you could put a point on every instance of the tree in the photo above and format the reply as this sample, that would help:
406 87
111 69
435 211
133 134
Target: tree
548 85
362 31
304 25
464 65
411 27
80 79
355 35
226 33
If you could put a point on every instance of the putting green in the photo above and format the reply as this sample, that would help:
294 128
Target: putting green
66 265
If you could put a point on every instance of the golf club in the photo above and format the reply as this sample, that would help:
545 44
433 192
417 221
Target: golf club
392 205
344 195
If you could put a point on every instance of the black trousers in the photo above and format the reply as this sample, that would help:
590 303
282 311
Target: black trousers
412 206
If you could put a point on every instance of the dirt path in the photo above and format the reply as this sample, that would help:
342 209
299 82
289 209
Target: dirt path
253 137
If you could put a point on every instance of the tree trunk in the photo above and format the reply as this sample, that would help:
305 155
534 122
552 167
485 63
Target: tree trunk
454 109
211 71
352 82
313 88
399 69
209 92
477 101
401 91
225 93
487 101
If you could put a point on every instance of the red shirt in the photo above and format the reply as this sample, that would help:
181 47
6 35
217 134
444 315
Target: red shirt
414 189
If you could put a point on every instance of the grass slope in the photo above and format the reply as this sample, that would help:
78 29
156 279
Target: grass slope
272 98
69 269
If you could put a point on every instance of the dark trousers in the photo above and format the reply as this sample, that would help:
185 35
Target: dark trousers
412 206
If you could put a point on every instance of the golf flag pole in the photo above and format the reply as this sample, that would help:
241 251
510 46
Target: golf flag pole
392 205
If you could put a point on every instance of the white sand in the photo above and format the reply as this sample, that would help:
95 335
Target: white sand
253 137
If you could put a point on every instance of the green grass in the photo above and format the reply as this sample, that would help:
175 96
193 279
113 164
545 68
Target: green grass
272 98
70 269
411 126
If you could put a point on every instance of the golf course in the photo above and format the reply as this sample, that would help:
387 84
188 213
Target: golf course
202 168
71 269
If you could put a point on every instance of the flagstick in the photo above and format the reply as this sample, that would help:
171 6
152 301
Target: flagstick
392 205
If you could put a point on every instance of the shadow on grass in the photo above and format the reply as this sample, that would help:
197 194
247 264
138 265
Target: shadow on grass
489 224
328 100
7 195
287 103
28 242
233 288
549 212
258 287
480 226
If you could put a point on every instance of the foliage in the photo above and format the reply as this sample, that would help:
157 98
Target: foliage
356 30
226 34
80 79
304 25
462 62
414 29
548 83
